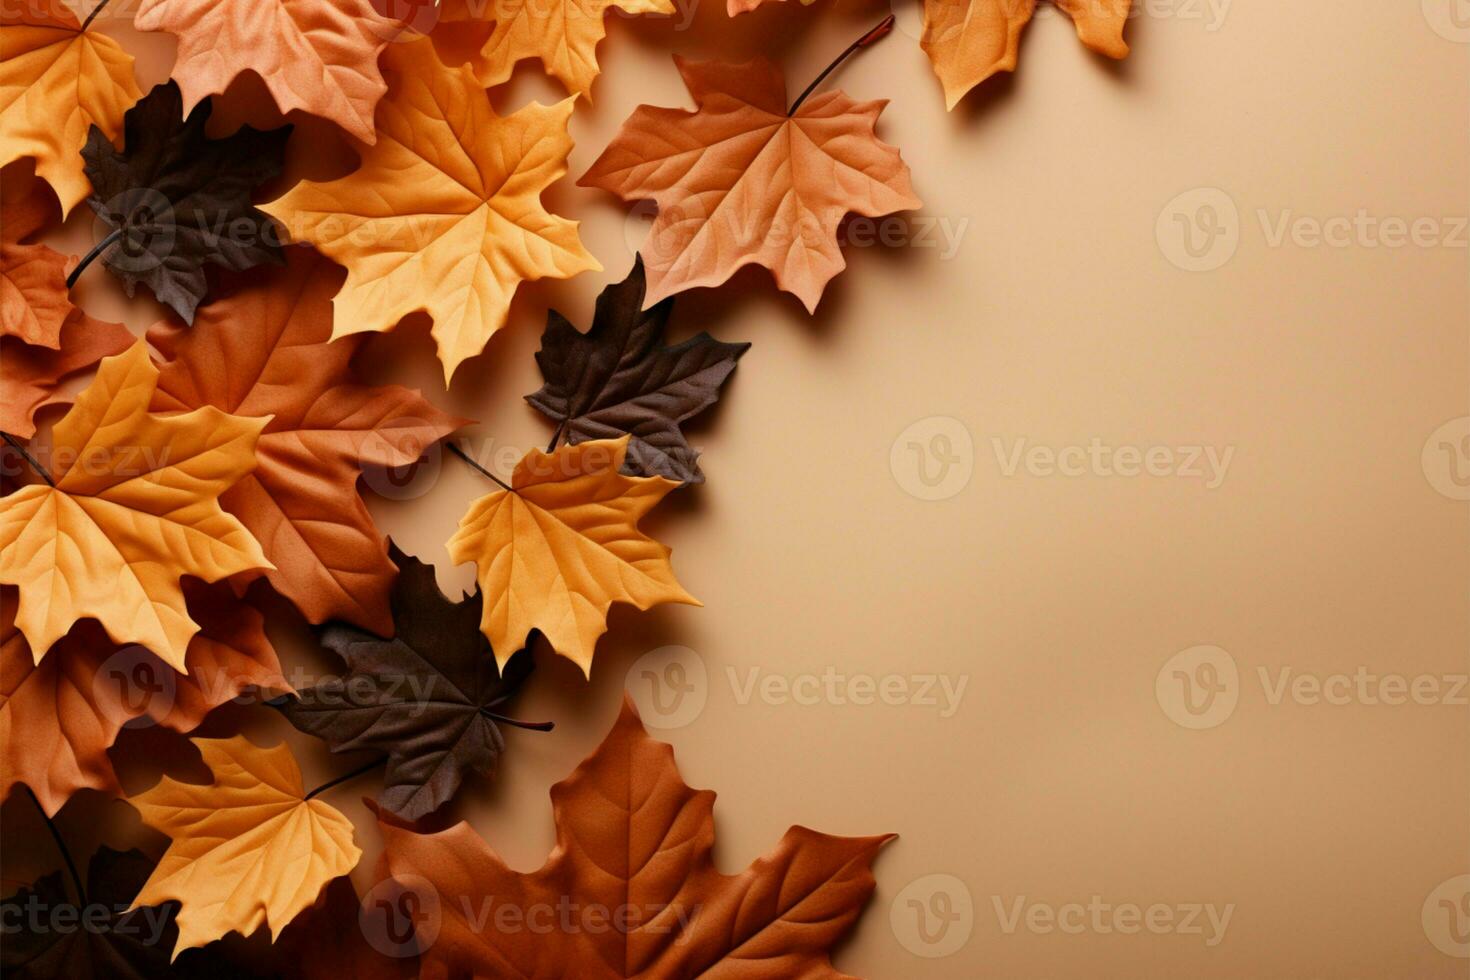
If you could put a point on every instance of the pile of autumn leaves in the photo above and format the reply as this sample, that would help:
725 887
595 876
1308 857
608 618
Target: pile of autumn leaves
173 485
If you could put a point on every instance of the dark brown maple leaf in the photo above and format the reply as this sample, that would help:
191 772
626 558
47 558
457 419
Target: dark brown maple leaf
616 379
49 934
427 697
179 201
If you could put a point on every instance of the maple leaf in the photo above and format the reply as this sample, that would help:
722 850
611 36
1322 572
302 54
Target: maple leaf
177 200
319 57
633 847
247 850
56 81
563 34
444 213
261 349
33 300
104 943
43 337
58 717
31 376
969 40
738 181
427 697
133 508
616 379
558 549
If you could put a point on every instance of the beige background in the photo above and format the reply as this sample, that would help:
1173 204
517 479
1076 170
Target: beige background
1058 599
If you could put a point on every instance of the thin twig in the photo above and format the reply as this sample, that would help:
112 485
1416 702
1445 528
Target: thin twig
556 436
343 778
97 249
535 726
862 42
15 444
454 448
93 15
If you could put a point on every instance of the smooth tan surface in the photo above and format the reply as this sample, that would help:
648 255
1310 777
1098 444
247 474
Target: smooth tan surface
1061 319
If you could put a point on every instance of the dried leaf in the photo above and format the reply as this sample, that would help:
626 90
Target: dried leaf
739 182
134 509
633 870
180 199
32 376
59 717
444 214
427 697
970 40
248 849
559 549
261 349
319 56
616 379
563 34
56 83
103 943
33 300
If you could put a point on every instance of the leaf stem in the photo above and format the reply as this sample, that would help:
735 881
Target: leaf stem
875 34
15 444
344 777
97 249
534 726
93 15
454 448
76 879
556 436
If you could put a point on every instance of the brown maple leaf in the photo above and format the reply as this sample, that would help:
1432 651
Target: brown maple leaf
58 717
742 181
43 337
631 888
264 348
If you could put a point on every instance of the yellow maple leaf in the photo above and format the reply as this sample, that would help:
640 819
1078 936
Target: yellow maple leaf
56 82
444 213
563 34
248 849
556 551
134 507
970 40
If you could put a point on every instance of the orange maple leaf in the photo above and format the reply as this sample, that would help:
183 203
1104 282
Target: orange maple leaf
58 717
444 214
57 80
970 40
739 181
263 348
43 337
558 549
314 55
633 879
248 850
133 508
